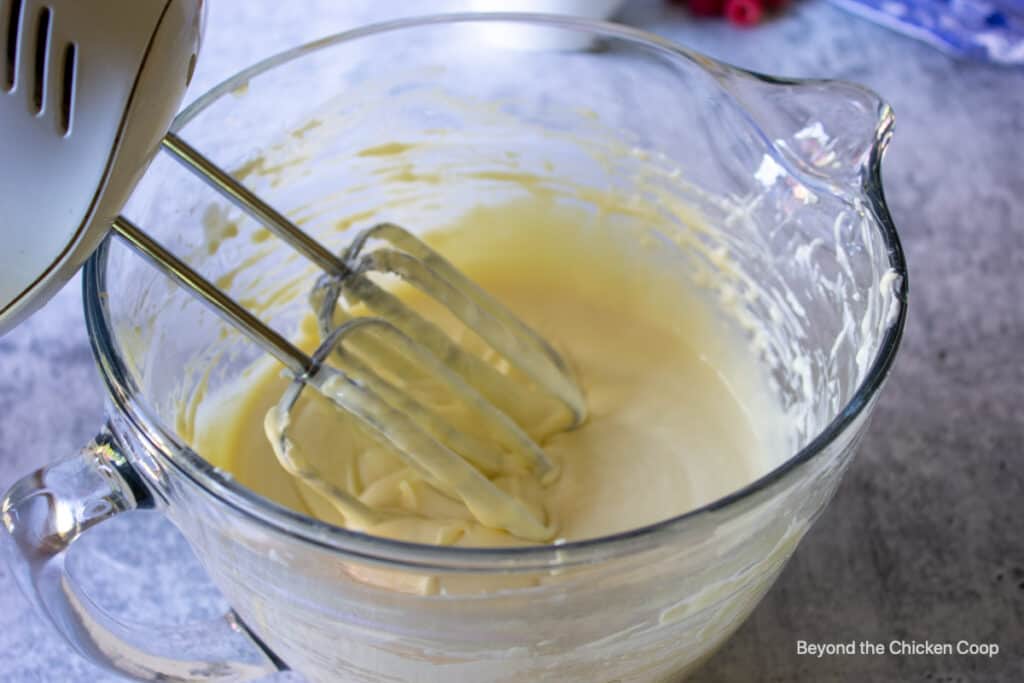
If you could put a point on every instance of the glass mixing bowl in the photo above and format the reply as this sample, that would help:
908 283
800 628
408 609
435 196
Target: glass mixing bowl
414 121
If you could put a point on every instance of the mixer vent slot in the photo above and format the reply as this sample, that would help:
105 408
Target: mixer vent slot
11 44
67 100
42 50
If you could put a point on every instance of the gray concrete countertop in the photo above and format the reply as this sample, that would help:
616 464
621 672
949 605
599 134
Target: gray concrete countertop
924 540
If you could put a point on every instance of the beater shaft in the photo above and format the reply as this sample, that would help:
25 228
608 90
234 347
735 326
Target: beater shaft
229 309
214 176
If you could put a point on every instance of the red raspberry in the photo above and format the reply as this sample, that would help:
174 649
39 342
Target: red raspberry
744 12
707 8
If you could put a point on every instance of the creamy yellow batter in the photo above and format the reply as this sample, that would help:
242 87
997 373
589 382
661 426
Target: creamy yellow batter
679 414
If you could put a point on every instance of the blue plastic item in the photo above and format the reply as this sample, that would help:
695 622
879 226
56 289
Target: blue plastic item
989 30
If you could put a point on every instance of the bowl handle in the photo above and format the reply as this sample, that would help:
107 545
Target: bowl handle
45 513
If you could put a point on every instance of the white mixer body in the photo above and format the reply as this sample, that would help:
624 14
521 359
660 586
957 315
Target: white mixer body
87 90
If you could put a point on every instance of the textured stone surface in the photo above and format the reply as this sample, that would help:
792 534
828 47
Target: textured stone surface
923 540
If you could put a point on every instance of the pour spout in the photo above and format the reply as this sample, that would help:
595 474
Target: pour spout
831 131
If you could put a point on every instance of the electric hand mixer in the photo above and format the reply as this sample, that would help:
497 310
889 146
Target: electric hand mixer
89 91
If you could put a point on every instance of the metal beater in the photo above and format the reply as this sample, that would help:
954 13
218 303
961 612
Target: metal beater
79 155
